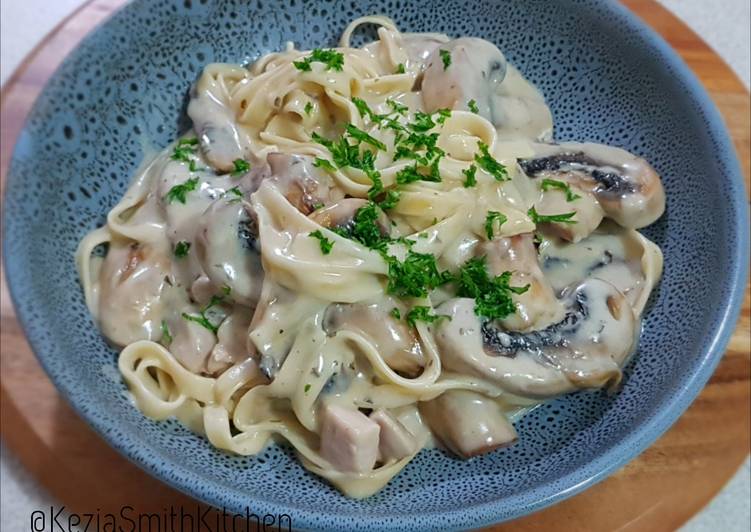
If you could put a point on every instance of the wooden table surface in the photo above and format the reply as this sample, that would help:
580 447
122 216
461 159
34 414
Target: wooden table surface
659 490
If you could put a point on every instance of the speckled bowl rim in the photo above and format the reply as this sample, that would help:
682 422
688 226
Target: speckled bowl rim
530 500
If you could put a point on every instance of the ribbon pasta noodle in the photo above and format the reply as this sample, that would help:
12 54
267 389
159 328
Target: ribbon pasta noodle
362 252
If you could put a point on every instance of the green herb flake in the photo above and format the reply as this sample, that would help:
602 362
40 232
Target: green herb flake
489 164
241 167
234 191
307 388
547 184
415 276
397 107
472 104
471 176
325 243
166 336
491 219
423 122
492 295
179 192
325 164
185 149
332 59
421 313
410 174
201 320
446 58
362 136
390 201
395 313
182 248
550 218
443 115
365 228
308 108
400 68
365 110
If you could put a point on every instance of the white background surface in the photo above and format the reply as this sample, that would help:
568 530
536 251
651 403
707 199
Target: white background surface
723 24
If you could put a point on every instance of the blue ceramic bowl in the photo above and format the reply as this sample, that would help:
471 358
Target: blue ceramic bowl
608 79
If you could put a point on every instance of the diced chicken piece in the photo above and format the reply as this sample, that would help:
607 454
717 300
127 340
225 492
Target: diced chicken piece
395 442
349 439
468 423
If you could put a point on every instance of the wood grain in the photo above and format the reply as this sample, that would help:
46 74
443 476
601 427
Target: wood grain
659 490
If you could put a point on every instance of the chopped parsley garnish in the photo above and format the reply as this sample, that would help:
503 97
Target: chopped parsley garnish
202 319
331 58
307 388
492 295
318 205
410 174
395 313
443 115
489 164
345 154
235 191
400 68
550 218
491 219
471 175
472 104
308 108
323 163
365 228
325 243
185 149
446 58
241 166
415 276
179 192
397 107
390 201
362 136
547 184
423 122
421 313
364 110
166 336
182 248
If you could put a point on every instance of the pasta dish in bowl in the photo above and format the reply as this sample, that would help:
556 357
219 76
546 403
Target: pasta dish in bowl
366 251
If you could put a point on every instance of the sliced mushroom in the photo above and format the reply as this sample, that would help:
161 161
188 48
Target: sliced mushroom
394 339
305 186
537 307
623 257
478 71
222 141
229 251
467 423
584 350
131 282
627 187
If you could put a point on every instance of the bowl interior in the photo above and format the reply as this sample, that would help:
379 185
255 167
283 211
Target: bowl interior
121 96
